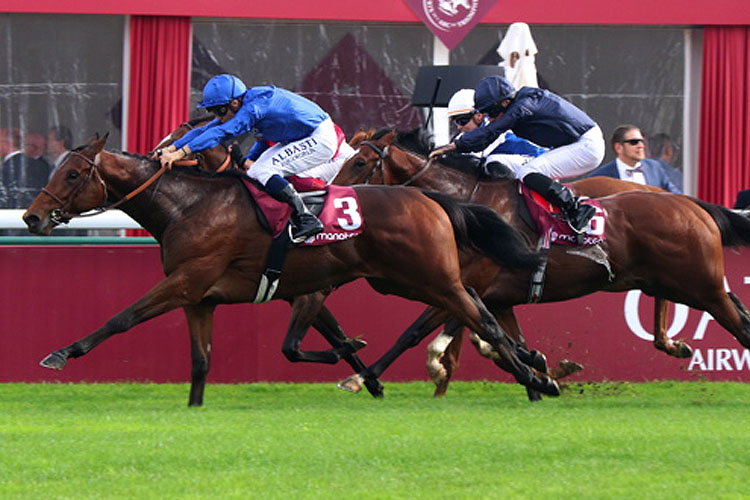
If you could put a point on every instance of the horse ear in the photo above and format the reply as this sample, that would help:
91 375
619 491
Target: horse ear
96 143
390 137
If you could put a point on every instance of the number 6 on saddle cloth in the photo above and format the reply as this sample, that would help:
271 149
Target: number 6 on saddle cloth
337 208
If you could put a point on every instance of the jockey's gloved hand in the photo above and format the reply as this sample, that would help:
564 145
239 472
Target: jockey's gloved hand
451 146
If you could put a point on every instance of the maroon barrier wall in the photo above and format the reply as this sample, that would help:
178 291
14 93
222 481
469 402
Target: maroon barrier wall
51 296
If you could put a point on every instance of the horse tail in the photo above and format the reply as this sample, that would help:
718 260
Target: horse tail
481 229
734 227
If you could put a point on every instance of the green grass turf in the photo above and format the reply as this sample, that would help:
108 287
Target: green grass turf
484 440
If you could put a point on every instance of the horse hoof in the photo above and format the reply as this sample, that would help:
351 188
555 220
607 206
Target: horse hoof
683 350
54 361
352 383
546 386
375 388
539 361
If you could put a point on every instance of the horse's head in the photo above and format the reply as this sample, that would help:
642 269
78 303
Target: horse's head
75 187
386 158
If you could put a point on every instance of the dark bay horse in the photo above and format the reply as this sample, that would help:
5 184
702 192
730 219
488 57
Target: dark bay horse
648 234
213 250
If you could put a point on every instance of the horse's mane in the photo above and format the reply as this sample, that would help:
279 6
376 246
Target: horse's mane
193 170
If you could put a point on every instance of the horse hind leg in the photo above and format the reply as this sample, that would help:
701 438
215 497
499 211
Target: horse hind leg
744 336
512 358
676 348
732 314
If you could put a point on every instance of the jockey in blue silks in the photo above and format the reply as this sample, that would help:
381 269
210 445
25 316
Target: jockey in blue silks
295 136
575 142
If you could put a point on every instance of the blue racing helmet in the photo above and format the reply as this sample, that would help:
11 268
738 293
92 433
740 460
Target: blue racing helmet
491 90
220 90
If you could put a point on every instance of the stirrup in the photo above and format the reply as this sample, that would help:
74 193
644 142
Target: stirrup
299 235
586 212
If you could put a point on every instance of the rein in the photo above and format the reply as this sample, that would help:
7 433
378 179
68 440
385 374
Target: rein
61 215
382 155
196 163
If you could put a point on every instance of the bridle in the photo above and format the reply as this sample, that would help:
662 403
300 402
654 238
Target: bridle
62 215
382 155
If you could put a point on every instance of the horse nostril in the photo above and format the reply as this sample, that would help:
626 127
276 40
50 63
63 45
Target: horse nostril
32 221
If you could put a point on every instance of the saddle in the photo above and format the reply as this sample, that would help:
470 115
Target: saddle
550 224
337 207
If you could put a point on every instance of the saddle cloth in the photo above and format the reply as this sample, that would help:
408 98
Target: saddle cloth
551 222
340 213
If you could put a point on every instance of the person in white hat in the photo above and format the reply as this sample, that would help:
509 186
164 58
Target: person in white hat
508 149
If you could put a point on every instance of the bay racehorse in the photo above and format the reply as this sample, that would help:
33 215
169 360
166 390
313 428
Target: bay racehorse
648 237
213 250
223 157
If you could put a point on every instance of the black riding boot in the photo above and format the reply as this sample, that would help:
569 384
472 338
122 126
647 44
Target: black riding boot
305 224
577 214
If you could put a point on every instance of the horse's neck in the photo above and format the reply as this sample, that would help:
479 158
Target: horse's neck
438 177
156 206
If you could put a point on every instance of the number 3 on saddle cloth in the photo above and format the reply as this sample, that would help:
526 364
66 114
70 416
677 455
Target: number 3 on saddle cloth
337 207
552 228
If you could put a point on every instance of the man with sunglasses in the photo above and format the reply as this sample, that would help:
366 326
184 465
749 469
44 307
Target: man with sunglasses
295 137
575 141
507 149
631 163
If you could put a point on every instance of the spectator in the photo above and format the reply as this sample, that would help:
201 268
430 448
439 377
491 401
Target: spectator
743 200
662 148
631 163
59 144
23 177
508 149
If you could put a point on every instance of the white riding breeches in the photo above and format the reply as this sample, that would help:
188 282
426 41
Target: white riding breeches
571 160
298 157
330 169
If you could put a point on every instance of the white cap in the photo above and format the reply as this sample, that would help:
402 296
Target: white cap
461 103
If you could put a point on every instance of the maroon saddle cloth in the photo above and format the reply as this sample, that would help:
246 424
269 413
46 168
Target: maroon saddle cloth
340 214
551 222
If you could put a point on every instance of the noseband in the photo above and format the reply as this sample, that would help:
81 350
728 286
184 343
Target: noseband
382 155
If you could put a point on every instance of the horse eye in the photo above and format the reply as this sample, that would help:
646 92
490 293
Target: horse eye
360 163
73 175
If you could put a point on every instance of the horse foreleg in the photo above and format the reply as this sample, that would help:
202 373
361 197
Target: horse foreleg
165 296
430 319
677 348
327 325
511 356
200 319
443 355
305 311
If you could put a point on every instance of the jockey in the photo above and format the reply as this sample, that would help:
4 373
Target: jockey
575 142
507 149
295 136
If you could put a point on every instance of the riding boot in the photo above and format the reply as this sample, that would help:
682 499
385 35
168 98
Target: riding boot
305 224
576 213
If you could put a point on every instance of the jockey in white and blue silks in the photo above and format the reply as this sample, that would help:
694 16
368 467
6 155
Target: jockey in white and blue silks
575 142
295 137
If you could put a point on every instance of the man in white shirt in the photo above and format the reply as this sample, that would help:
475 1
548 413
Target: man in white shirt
631 163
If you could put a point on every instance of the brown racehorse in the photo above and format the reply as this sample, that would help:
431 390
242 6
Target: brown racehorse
220 158
650 257
213 250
